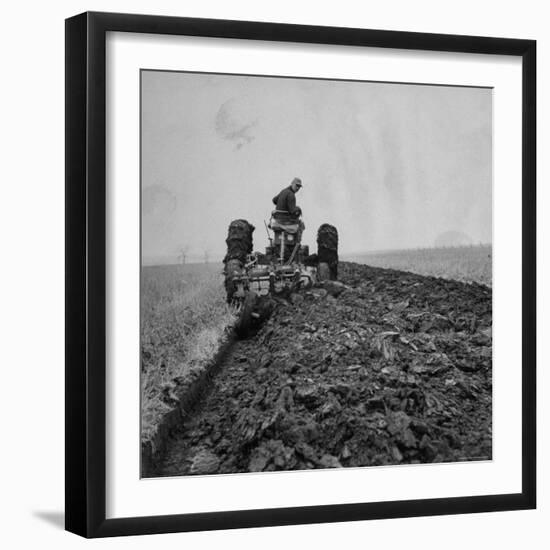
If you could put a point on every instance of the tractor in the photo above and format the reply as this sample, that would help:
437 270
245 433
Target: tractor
251 278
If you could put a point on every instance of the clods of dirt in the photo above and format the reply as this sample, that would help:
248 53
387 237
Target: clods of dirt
381 367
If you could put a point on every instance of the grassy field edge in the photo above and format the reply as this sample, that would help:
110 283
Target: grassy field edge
185 320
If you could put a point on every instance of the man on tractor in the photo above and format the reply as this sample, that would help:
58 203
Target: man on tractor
286 223
286 266
285 220
285 202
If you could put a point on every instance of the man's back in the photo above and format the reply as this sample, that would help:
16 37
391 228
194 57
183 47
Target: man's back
285 201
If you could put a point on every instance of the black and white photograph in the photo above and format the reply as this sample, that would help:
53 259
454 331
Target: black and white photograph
316 273
274 276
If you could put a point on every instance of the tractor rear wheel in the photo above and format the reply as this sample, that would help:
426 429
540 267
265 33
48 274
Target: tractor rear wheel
239 244
327 249
323 272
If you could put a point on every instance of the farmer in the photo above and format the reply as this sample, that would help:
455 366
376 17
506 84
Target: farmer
285 203
286 216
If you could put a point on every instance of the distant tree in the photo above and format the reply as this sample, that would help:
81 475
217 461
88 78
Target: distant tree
183 252
206 256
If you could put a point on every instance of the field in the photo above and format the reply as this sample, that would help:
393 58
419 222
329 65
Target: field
383 367
467 263
184 315
183 319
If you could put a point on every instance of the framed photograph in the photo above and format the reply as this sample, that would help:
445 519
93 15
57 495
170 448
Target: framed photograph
300 274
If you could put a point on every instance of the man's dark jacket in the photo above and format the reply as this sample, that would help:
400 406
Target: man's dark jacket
286 201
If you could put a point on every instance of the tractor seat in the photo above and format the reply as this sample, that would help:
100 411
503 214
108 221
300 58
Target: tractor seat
291 228
283 221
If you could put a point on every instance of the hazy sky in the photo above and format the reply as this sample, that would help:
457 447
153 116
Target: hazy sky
391 165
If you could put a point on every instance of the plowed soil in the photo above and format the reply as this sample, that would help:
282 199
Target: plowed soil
383 367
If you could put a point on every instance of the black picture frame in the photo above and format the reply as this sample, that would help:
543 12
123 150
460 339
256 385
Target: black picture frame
86 271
